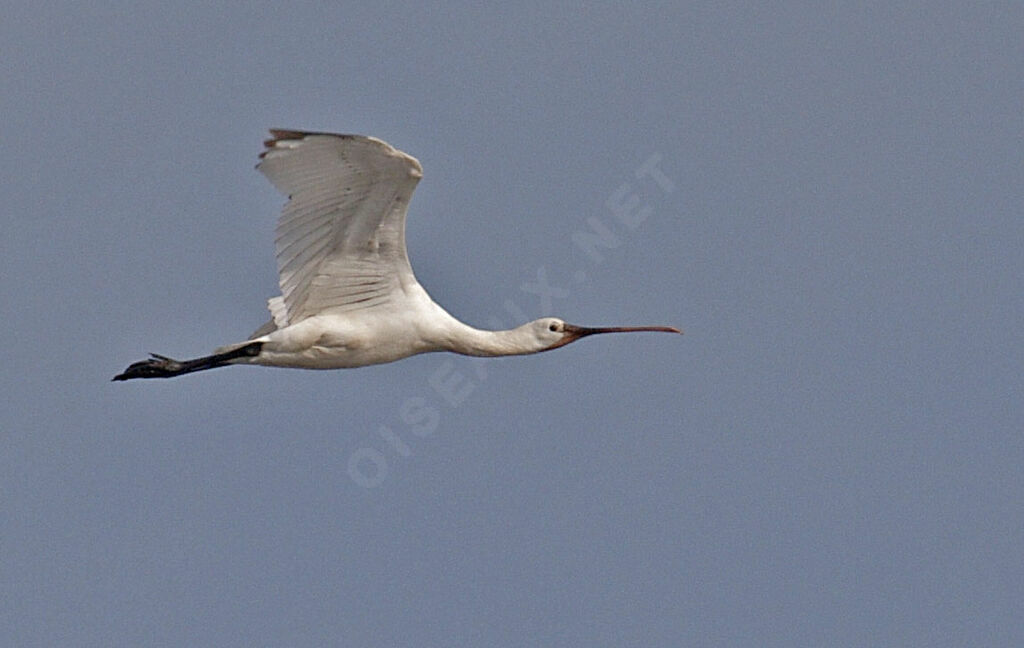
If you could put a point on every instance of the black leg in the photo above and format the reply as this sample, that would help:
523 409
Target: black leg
159 366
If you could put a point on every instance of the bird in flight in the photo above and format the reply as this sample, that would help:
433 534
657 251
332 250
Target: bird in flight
348 294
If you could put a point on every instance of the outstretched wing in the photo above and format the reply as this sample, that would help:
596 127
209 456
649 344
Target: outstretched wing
340 240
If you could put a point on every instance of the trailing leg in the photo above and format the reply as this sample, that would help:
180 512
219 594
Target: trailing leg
159 366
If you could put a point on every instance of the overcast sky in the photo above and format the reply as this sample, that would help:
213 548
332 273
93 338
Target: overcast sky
827 199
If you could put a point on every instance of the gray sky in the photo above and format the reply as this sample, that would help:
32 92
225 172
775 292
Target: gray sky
831 455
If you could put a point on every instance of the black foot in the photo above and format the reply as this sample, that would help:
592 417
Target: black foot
157 366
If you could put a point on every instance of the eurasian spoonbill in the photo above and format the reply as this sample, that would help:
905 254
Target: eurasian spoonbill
348 294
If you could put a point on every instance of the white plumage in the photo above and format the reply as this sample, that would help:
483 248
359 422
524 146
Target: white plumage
348 294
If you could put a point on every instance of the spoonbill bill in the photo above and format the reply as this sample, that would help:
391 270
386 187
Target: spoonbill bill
348 294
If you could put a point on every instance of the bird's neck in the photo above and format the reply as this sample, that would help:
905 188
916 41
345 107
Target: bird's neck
464 339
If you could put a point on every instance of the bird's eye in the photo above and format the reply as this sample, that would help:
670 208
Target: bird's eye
553 327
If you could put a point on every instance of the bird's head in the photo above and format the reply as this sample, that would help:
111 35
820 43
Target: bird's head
551 332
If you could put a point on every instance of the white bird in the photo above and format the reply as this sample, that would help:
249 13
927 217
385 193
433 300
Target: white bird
348 294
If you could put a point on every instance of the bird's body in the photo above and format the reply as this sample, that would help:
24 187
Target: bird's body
348 294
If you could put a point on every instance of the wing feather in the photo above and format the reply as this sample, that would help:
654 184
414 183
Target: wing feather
340 240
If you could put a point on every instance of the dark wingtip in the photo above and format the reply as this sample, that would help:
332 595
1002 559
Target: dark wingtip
288 134
279 134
